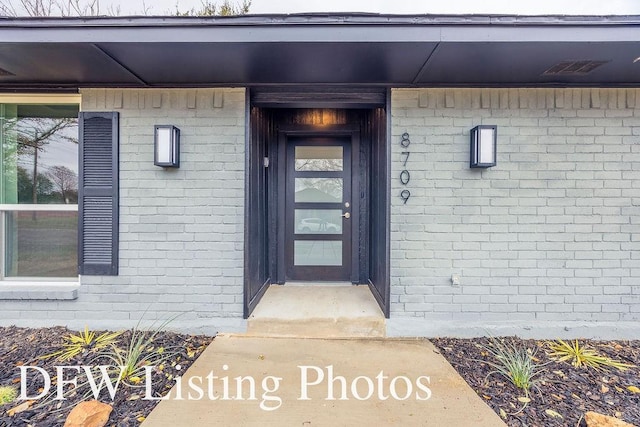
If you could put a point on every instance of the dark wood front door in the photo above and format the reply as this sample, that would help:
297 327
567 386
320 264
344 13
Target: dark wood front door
318 209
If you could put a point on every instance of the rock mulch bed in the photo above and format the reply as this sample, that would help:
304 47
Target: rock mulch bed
564 393
25 347
561 398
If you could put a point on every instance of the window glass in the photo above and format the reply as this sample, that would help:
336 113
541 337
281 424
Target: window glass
318 190
318 221
319 158
317 253
41 244
39 154
39 167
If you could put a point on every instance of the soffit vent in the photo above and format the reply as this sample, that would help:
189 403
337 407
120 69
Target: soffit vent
5 73
573 68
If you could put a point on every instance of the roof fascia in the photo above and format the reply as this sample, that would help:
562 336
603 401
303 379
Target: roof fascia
354 28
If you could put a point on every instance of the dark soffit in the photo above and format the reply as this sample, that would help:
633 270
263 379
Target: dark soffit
344 49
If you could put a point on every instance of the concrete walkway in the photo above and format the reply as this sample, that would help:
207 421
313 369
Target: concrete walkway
382 386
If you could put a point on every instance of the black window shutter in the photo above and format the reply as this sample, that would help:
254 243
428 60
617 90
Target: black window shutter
98 194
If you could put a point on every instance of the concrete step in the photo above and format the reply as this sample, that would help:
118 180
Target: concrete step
333 310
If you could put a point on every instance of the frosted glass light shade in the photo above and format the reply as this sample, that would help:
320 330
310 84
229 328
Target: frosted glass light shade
483 151
166 146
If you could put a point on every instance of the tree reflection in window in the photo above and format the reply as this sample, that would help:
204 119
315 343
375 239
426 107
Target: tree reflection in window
39 166
40 159
318 190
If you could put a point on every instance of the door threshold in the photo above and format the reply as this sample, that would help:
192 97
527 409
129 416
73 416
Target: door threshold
317 283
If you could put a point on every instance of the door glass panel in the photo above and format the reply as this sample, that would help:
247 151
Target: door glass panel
318 190
318 221
319 158
317 253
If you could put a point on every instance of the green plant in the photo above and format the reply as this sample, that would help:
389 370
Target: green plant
7 394
583 355
139 353
84 341
514 363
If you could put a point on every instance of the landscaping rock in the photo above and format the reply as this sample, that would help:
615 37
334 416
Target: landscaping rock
20 346
568 391
89 414
20 408
594 419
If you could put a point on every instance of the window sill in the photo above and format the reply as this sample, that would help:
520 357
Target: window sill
39 290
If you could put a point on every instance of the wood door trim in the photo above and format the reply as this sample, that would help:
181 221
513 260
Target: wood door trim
315 96
355 206
319 131
265 127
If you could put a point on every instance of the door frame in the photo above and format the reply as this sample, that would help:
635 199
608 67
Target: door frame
270 108
329 131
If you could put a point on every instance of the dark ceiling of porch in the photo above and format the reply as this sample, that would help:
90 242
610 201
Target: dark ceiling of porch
353 49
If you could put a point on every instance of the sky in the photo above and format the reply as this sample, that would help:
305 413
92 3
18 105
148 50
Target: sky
523 7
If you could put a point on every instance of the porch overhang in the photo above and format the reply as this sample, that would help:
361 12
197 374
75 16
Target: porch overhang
345 49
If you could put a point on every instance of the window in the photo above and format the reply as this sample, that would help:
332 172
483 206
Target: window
39 188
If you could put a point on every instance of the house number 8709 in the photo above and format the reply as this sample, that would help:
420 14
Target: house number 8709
405 176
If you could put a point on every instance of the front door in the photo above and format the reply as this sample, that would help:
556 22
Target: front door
318 209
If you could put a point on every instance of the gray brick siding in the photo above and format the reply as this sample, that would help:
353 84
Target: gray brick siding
181 231
547 242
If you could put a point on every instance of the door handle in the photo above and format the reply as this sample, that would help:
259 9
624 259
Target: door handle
347 215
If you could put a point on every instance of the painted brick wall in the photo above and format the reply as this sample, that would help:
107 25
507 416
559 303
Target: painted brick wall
548 239
181 231
545 243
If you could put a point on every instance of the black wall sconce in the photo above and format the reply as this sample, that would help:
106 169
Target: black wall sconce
166 146
484 140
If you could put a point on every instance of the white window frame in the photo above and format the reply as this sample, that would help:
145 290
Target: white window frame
5 208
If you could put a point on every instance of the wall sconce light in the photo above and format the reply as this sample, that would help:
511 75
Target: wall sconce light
483 146
166 146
